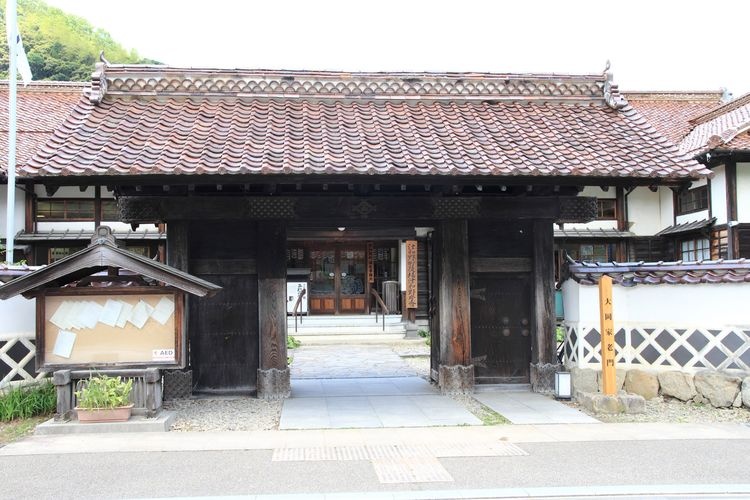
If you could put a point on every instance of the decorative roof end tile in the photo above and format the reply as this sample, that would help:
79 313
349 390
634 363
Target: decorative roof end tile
98 83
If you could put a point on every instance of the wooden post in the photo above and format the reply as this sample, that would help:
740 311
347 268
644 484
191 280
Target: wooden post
273 374
608 336
730 174
456 373
543 348
97 206
177 245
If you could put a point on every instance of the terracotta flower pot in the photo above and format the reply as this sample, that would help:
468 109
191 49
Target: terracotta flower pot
119 414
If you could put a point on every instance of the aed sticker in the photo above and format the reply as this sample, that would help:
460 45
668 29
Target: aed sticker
162 355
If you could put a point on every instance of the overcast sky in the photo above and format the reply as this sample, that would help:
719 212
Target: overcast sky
653 45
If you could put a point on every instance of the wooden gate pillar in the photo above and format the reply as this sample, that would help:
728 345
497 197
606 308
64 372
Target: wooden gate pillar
455 370
177 245
544 362
273 374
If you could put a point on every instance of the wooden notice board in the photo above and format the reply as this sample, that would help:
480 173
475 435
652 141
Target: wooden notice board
91 327
608 336
370 263
411 274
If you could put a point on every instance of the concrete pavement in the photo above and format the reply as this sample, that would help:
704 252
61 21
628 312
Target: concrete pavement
500 462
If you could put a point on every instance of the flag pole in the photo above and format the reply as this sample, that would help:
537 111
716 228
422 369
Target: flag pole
10 12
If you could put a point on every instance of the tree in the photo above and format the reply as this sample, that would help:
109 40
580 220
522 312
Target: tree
61 46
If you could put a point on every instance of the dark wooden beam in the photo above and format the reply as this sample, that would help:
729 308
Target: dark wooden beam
97 206
500 265
343 209
271 263
178 245
543 347
454 310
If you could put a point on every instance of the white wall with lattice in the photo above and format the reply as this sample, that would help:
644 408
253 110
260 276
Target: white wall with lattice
17 349
662 327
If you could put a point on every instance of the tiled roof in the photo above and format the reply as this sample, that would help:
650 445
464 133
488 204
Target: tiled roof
686 227
41 108
83 234
725 127
146 120
657 273
591 233
670 112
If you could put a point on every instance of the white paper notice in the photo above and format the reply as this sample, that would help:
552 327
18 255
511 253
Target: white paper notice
64 344
125 312
163 310
140 314
76 309
60 318
110 312
90 315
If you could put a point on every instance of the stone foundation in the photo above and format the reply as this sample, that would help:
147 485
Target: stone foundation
542 377
620 403
721 389
456 379
274 384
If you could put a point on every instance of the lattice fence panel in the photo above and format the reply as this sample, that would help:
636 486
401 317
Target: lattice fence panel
17 358
687 349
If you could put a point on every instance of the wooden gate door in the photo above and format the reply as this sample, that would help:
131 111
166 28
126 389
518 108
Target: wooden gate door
338 277
501 327
224 336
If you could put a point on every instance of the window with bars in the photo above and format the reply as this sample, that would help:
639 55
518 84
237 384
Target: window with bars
590 252
110 212
695 249
606 209
692 200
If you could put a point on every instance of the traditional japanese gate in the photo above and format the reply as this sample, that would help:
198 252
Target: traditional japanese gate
491 289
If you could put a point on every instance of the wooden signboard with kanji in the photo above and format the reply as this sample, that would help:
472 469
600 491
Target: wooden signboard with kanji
411 274
608 336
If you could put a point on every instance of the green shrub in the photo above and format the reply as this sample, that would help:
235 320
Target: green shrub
103 392
425 334
26 402
292 343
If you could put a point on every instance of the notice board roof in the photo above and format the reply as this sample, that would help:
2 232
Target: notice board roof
102 254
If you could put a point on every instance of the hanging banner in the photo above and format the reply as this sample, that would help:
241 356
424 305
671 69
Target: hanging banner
608 336
411 274
370 263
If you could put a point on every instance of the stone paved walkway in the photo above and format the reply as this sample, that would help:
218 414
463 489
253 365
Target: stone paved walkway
348 361
530 408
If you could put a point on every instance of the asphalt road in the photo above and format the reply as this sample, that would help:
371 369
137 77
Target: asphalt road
222 473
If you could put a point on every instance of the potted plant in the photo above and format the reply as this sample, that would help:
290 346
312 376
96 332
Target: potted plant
104 399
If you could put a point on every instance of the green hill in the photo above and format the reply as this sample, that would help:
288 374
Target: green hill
61 46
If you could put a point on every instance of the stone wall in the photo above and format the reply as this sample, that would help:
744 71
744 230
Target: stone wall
721 389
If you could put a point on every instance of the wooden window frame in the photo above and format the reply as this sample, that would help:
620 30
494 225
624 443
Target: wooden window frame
693 196
695 248
600 207
65 218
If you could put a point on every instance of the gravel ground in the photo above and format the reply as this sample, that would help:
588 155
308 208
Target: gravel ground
674 411
225 414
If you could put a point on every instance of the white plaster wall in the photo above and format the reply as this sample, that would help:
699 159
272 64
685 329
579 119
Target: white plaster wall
66 192
20 210
666 207
743 192
718 196
18 316
598 192
645 212
595 224
714 306
693 217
